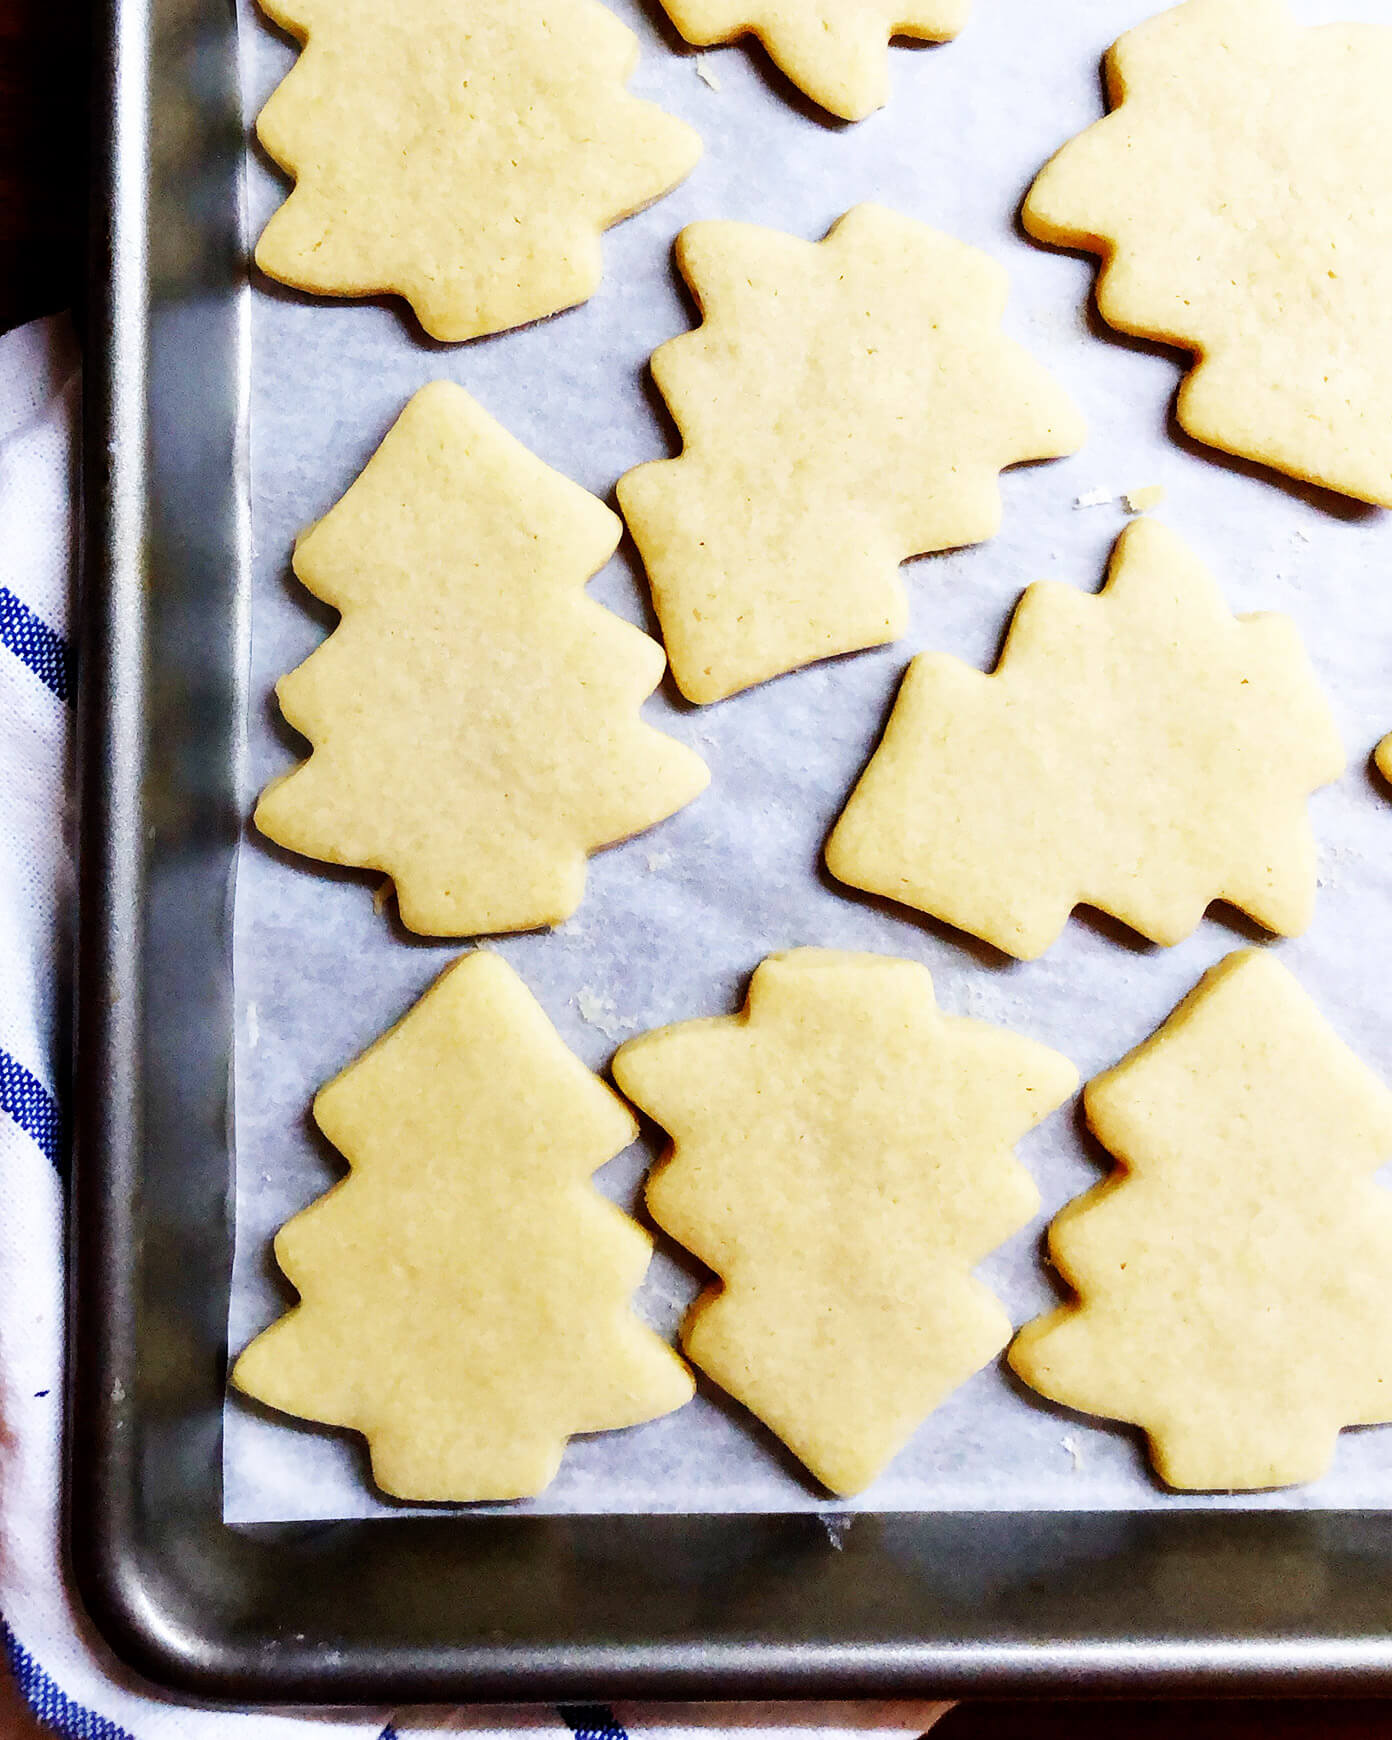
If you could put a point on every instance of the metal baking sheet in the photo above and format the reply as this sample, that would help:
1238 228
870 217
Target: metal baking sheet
996 1556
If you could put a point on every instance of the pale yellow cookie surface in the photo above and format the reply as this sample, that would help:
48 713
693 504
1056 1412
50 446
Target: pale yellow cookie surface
835 51
475 716
1235 1276
842 1157
465 154
1382 756
1240 196
845 404
1139 750
465 1291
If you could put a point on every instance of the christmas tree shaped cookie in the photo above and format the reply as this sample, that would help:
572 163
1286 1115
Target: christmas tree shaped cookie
464 154
1139 750
841 1158
845 405
475 717
465 1291
836 51
1235 1275
1239 196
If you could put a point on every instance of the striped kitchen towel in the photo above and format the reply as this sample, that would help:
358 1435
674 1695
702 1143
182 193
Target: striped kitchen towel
69 1682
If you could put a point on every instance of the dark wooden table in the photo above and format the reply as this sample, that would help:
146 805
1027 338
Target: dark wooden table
43 130
43 125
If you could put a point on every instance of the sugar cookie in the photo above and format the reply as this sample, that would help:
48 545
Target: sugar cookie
1233 1275
475 716
1240 196
835 51
465 154
465 1290
1139 750
844 405
841 1159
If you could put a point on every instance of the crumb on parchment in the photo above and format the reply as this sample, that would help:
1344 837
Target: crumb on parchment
706 72
600 1012
1330 858
1141 501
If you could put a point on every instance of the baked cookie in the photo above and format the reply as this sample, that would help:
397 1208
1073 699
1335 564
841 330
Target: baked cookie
464 154
1139 750
844 405
464 1292
834 51
1234 1276
1240 196
475 716
841 1158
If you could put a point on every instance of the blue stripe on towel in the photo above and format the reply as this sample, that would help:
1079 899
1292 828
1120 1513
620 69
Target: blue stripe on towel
32 1107
35 644
51 1705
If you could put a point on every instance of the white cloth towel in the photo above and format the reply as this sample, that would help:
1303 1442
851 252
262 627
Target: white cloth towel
61 1668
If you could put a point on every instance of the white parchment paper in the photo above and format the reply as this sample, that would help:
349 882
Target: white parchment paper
674 921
